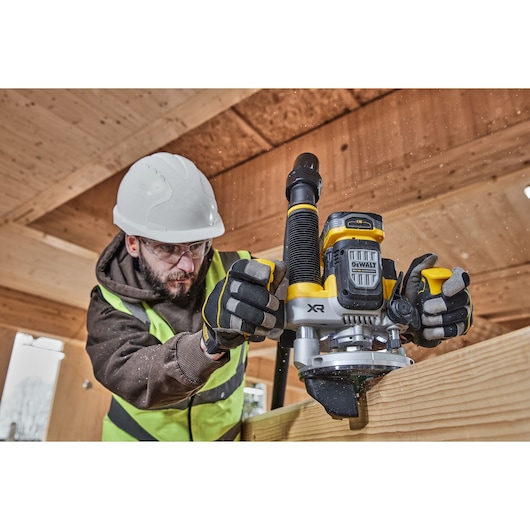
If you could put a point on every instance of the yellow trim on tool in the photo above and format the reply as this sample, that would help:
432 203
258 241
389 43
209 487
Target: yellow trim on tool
313 290
304 290
330 286
435 277
388 287
301 207
343 232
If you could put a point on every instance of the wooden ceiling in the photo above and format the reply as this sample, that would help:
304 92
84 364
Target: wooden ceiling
446 169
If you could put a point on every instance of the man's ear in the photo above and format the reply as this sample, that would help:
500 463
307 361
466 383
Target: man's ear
133 245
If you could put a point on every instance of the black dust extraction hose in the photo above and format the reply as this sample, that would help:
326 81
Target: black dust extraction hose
301 250
301 246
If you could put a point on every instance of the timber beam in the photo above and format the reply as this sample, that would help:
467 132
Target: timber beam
38 316
480 392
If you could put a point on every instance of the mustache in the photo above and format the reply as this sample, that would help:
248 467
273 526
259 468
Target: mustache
180 275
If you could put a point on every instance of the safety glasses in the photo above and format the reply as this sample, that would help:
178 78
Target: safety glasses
172 253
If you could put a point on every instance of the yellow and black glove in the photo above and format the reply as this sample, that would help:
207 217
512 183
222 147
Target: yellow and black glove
245 305
442 298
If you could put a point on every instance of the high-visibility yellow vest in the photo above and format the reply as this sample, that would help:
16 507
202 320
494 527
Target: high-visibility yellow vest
213 413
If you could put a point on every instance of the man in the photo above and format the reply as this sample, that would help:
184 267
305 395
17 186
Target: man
170 321
173 377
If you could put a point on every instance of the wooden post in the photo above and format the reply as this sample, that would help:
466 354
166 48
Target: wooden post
481 392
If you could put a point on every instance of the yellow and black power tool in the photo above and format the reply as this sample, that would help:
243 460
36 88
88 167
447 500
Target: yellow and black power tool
345 323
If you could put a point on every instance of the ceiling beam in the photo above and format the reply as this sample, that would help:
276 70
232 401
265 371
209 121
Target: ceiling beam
32 264
34 315
17 230
179 120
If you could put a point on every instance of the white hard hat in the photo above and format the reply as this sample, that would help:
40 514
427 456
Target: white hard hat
165 197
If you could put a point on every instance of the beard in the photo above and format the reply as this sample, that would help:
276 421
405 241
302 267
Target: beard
179 292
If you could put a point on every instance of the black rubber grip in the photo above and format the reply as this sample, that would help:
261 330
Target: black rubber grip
303 247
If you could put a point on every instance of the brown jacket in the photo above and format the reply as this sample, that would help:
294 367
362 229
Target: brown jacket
126 358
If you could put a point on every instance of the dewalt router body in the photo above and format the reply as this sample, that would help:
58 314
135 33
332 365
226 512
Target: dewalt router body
345 323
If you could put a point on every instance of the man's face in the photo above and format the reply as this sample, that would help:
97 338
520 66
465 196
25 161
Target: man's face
171 270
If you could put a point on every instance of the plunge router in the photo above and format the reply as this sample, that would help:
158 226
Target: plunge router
347 320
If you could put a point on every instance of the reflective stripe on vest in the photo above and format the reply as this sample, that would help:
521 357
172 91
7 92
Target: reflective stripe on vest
214 413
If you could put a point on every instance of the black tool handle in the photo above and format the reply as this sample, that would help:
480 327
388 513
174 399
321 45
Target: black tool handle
301 245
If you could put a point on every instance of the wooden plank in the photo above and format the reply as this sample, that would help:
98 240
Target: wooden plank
477 393
142 103
176 121
34 266
481 330
75 226
61 244
36 316
477 213
497 291
107 114
369 161
211 146
58 131
86 219
36 129
291 112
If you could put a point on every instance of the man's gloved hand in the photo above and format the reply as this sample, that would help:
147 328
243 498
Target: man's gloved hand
246 305
445 312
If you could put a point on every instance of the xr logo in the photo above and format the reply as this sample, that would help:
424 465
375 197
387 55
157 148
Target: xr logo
315 308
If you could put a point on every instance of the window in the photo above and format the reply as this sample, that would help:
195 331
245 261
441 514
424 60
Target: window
29 388
255 400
